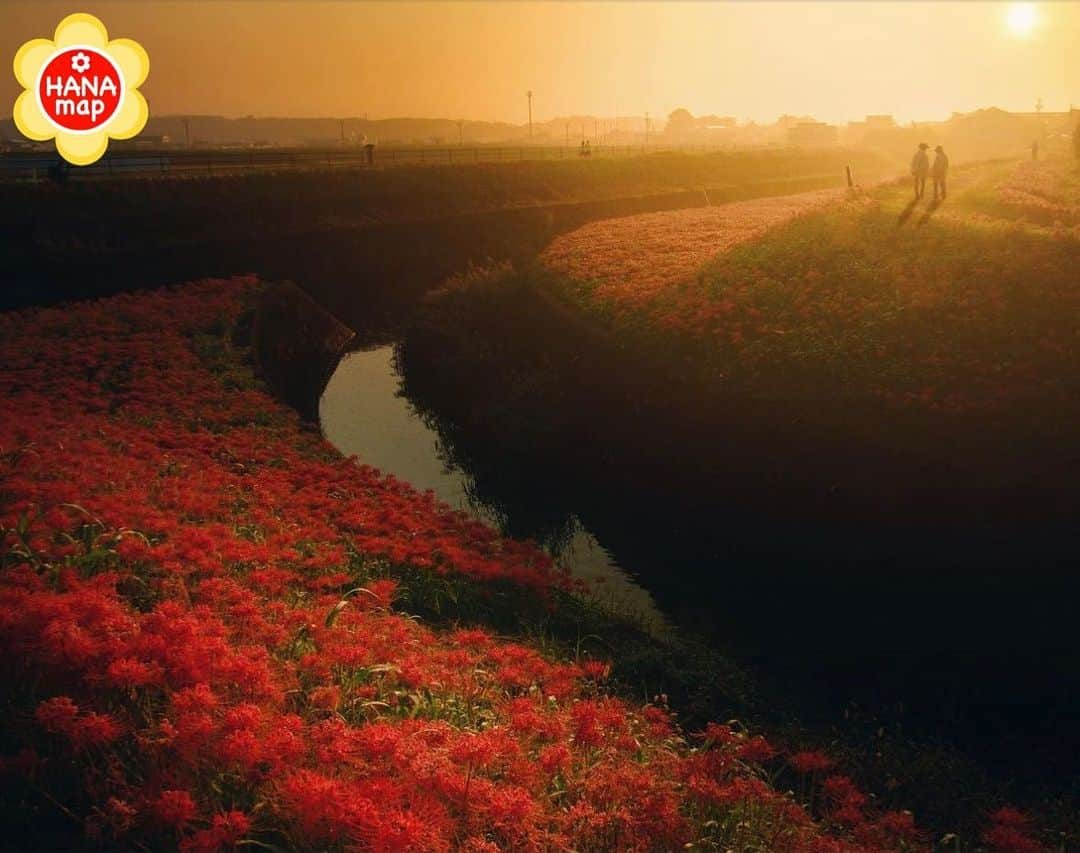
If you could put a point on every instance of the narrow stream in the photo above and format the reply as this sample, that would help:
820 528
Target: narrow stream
915 650
364 414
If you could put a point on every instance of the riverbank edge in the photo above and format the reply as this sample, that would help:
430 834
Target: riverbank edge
366 271
530 329
297 344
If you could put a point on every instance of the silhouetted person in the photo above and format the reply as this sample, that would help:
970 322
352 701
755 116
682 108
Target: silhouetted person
920 168
369 154
940 170
1035 150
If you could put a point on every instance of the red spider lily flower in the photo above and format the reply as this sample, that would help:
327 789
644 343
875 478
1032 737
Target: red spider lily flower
1009 832
94 730
596 670
57 715
175 808
225 830
130 672
327 698
756 750
1010 816
555 759
899 827
810 762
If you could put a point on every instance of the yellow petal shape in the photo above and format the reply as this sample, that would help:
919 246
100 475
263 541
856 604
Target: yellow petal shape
131 117
29 59
82 149
81 28
132 59
29 119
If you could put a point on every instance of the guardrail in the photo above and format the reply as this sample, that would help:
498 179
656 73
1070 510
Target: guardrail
43 165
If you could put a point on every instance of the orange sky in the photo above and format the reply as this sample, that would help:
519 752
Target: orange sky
836 61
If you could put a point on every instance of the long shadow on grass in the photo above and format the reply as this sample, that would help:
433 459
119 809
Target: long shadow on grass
907 212
931 210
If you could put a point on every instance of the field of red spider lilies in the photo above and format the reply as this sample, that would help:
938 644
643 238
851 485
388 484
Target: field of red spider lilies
633 259
1044 193
966 308
202 646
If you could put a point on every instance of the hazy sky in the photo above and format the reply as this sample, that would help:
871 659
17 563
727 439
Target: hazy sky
836 61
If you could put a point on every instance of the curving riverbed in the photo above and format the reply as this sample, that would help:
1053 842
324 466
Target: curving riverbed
365 414
827 643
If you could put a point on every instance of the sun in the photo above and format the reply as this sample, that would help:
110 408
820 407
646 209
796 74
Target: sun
1022 19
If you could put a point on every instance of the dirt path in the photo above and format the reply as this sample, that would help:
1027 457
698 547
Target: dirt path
637 256
962 180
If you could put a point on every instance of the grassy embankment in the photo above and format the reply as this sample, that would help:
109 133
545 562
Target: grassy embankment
939 335
898 372
960 308
366 242
212 637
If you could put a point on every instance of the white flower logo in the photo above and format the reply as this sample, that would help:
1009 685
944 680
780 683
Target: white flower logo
80 62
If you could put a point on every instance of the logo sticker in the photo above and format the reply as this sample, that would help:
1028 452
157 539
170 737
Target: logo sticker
81 89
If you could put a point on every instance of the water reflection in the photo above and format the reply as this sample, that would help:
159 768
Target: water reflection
364 414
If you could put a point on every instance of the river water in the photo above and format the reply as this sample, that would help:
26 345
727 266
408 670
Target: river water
365 414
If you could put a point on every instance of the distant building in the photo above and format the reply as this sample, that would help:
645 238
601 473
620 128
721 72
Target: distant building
857 131
813 134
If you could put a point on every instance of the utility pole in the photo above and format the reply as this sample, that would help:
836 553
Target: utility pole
1039 105
341 122
460 131
529 96
646 128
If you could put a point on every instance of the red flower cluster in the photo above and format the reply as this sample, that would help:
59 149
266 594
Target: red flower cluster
1010 832
1043 193
812 296
633 260
197 605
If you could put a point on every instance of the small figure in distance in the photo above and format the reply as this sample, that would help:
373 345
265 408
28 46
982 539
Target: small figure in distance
1035 150
940 170
920 168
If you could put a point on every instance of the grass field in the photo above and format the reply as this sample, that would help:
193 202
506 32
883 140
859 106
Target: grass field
905 373
210 618
364 240
966 307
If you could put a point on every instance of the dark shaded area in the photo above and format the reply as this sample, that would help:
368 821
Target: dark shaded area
906 213
297 343
931 209
913 573
365 242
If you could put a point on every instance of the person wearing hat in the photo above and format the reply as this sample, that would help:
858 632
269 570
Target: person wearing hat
920 168
939 170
